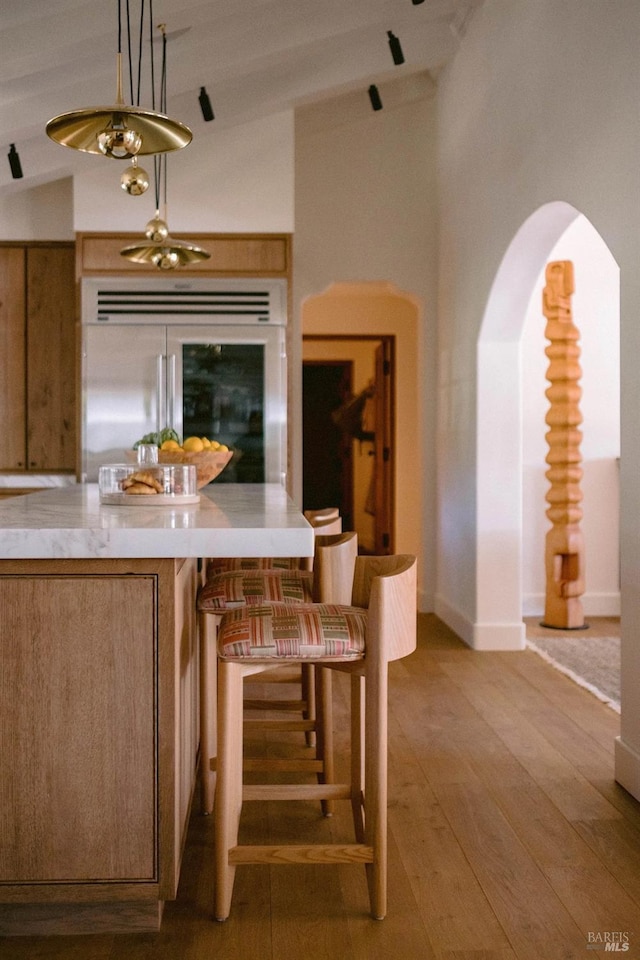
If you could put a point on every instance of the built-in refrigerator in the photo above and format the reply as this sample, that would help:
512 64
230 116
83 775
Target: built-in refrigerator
206 357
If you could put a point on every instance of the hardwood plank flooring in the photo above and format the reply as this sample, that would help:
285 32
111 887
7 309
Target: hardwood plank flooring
508 836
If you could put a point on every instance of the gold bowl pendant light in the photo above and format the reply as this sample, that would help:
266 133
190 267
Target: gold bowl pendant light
162 250
119 131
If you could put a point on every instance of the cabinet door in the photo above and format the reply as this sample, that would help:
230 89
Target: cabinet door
51 353
78 741
12 350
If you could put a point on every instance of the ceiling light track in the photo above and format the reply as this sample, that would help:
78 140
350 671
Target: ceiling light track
14 162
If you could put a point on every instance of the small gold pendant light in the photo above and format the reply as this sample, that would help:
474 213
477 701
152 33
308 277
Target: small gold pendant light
162 250
119 131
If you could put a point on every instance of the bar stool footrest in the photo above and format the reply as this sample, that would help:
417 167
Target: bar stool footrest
301 853
308 765
288 725
293 705
296 791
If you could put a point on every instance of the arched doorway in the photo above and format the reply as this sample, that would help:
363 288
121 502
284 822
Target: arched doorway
596 314
377 310
498 622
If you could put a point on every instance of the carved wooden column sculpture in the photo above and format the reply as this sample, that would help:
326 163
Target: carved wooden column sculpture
564 545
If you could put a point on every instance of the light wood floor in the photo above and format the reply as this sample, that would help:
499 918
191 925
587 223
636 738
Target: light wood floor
508 837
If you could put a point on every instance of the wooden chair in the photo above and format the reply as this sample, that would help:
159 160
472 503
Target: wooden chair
360 639
330 581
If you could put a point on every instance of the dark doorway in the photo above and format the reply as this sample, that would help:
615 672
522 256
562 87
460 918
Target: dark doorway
327 470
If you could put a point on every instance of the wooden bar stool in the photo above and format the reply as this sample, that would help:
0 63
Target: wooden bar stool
360 639
330 581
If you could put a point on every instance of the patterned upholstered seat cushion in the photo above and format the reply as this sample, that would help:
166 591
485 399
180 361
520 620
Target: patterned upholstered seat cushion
240 587
293 631
216 565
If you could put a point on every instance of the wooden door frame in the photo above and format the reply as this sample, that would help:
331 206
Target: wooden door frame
390 340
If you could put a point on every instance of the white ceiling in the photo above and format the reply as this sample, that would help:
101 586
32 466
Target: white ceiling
255 58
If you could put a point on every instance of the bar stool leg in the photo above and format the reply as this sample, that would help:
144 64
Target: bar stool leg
357 755
228 798
207 626
308 693
375 818
324 731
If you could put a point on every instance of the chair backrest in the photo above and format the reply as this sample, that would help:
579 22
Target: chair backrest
319 516
333 567
330 525
387 587
321 528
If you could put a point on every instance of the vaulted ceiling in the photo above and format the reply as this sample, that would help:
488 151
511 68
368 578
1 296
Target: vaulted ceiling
255 58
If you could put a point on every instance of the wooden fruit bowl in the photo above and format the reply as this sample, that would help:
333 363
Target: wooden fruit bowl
208 463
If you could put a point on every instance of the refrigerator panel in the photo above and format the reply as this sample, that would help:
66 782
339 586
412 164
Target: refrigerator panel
241 301
123 396
230 387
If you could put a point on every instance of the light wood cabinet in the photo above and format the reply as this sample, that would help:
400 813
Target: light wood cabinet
37 336
98 738
13 383
241 254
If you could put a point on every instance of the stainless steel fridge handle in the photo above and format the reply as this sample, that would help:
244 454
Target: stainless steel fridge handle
160 392
171 391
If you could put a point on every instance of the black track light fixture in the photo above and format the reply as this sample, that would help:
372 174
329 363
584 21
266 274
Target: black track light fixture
14 163
416 2
374 96
205 104
396 49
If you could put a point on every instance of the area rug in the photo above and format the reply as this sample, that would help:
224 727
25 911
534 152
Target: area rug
593 662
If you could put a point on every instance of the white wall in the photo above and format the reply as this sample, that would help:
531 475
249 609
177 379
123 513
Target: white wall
39 213
237 179
365 211
596 314
537 108
231 180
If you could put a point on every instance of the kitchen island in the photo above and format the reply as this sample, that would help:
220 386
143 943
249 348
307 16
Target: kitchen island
99 721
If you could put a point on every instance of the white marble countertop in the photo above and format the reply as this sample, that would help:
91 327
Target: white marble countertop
231 520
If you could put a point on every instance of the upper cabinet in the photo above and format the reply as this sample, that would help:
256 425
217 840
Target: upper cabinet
38 364
241 254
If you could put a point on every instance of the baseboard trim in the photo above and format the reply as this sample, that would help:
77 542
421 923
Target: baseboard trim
627 767
65 919
481 636
499 636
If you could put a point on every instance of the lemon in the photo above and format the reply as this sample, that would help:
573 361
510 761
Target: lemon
170 445
222 447
193 445
215 445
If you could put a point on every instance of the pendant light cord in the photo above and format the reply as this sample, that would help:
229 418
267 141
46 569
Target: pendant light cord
160 160
152 57
140 35
163 108
129 51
